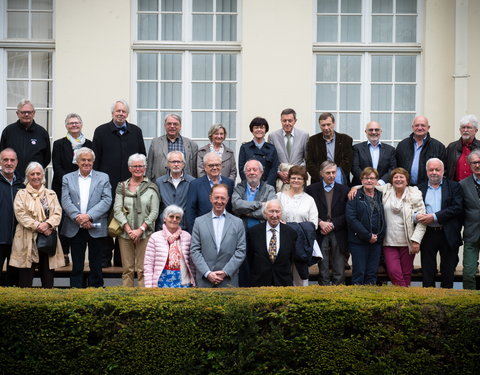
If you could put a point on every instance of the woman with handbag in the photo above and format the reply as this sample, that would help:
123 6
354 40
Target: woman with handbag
136 208
38 213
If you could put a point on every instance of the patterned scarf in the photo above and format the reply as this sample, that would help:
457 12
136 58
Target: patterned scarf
76 143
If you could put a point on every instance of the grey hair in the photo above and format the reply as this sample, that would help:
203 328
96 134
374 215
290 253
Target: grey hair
469 119
175 116
171 153
215 128
211 155
172 209
260 165
327 164
84 150
434 159
267 203
120 101
137 157
24 102
30 167
474 152
73 115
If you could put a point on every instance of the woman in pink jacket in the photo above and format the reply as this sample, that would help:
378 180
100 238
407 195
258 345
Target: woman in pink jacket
167 257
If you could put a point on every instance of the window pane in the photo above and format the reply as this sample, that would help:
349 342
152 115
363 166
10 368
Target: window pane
201 123
42 94
16 91
351 28
202 67
171 5
225 96
202 96
382 29
226 5
17 25
350 98
42 26
327 6
202 27
402 124
327 28
382 68
203 6
229 120
226 28
406 6
406 29
350 68
42 4
381 97
147 94
148 5
147 66
405 68
43 118
147 120
17 64
147 27
171 95
171 27
385 120
17 4
326 97
326 68
404 97
41 65
226 67
382 6
351 6
349 123
171 68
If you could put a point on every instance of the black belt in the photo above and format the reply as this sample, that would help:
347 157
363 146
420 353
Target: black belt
435 228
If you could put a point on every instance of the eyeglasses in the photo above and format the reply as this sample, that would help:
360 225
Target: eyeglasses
295 178
466 127
214 165
374 130
74 123
137 166
369 178
26 113
475 162
175 161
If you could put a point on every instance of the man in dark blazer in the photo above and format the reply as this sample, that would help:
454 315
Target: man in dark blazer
113 144
331 200
373 153
198 202
443 218
329 145
271 249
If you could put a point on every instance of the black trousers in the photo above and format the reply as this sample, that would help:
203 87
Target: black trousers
433 242
25 275
10 277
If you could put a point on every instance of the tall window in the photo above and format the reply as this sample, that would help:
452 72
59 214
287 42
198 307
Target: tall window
367 59
187 62
27 48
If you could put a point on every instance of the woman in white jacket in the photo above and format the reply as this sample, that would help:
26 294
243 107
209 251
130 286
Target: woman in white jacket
167 257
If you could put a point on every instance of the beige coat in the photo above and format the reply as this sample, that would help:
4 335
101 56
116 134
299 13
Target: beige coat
29 215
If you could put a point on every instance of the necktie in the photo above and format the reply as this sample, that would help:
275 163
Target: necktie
272 246
289 145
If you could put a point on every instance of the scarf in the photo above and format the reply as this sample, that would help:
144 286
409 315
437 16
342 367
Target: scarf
173 240
37 205
77 143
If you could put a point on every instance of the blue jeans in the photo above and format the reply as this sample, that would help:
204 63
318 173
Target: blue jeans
365 261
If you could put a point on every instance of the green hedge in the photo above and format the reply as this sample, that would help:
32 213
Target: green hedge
314 330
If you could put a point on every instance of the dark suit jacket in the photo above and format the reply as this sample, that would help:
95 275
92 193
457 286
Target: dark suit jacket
317 154
198 199
363 159
62 157
450 215
262 271
339 203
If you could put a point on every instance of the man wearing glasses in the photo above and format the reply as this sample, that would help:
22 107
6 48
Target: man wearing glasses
29 140
373 153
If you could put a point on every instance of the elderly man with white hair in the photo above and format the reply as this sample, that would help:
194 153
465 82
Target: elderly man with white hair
456 163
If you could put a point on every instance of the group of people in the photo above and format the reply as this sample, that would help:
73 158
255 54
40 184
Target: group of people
184 222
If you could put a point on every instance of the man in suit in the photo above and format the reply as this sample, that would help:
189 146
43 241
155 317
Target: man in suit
271 249
413 152
329 145
113 143
373 153
291 145
86 200
331 200
198 202
457 152
443 218
171 141
218 243
28 139
471 230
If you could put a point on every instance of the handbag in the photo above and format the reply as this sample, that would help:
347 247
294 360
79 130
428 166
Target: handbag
114 227
47 244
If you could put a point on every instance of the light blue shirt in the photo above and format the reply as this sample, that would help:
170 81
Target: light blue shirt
433 201
212 183
250 195
218 224
416 160
259 145
327 187
374 153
